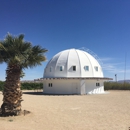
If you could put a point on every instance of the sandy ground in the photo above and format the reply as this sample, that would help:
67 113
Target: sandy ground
88 112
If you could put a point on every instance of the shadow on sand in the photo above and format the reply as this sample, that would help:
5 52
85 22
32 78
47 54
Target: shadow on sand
33 93
41 93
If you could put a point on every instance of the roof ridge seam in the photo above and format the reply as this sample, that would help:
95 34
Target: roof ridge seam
79 62
57 62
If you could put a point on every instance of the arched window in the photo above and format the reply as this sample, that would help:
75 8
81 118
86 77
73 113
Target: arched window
86 68
61 68
96 68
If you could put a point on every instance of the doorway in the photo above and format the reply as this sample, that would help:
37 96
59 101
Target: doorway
74 88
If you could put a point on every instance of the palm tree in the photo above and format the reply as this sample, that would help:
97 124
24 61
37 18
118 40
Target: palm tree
1 46
18 54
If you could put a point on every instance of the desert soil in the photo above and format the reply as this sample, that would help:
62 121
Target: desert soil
75 112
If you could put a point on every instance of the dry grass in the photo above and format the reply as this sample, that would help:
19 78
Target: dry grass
89 112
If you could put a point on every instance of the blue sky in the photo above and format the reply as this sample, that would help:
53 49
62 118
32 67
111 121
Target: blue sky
102 26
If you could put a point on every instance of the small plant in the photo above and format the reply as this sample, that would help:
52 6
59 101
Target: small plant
1 85
31 86
116 86
10 120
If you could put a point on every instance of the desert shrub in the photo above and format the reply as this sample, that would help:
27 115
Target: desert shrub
116 86
31 86
25 86
1 85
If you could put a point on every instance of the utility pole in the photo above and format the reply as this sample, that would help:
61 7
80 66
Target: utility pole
125 70
115 77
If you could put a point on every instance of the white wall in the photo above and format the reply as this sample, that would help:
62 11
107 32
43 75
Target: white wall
62 86
82 87
91 87
73 86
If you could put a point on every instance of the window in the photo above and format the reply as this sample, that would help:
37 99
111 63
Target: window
86 68
50 85
96 68
61 68
74 68
97 84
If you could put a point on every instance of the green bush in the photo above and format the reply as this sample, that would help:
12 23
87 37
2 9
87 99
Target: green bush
116 86
1 85
25 86
31 86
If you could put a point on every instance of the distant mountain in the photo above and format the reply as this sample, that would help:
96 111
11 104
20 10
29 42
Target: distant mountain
122 81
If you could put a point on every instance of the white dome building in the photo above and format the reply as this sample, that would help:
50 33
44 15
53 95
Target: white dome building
73 71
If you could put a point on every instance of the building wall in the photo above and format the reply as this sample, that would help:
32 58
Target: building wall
61 86
91 88
72 86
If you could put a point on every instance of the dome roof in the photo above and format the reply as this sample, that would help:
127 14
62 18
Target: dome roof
73 63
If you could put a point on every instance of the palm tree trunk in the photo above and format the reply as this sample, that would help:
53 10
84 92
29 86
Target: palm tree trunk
12 94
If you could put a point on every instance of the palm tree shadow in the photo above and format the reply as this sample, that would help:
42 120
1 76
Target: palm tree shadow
33 93
48 94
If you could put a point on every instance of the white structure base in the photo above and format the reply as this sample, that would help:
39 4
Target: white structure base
73 86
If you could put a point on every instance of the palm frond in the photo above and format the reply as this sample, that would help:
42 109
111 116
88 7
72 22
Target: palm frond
21 52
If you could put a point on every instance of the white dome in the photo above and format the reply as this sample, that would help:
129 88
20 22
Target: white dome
73 63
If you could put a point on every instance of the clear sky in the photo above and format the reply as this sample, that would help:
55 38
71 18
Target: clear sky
102 26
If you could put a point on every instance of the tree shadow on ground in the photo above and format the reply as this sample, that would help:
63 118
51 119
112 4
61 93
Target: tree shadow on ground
48 94
33 93
8 114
